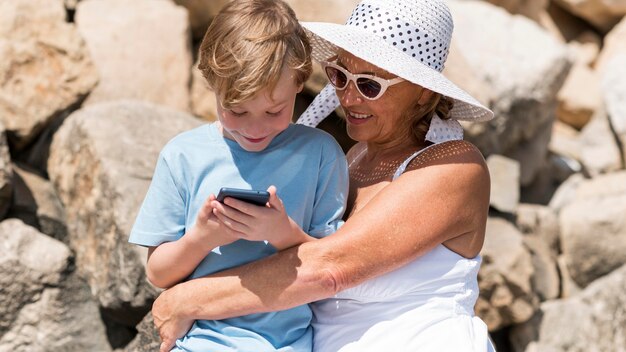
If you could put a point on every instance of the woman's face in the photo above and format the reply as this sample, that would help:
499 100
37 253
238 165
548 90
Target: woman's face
382 121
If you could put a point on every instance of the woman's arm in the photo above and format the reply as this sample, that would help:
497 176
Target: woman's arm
443 199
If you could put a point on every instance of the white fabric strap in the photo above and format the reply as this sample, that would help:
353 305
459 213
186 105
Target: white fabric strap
326 102
323 105
403 166
444 130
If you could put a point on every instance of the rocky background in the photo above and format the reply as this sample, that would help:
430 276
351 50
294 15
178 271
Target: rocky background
91 90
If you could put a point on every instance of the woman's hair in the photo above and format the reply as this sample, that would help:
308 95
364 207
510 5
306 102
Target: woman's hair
420 116
247 45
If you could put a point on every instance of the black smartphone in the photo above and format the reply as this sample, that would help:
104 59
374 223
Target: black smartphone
247 195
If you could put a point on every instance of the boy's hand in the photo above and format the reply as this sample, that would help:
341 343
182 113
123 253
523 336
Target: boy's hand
260 223
208 230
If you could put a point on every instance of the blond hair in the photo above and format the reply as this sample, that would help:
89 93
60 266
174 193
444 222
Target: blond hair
247 45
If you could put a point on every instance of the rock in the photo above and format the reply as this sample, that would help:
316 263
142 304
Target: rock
522 67
566 193
614 87
579 97
505 186
531 9
46 68
147 339
565 141
101 163
592 321
141 49
201 12
593 234
44 306
6 174
203 102
36 202
506 295
600 153
603 14
540 227
614 44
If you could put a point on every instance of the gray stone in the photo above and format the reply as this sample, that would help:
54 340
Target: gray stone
36 202
522 67
603 14
101 163
592 321
141 49
599 149
505 187
614 87
44 306
506 295
46 68
593 233
147 339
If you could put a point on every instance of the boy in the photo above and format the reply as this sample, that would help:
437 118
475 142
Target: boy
256 58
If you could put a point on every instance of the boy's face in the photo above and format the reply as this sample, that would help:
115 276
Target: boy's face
254 124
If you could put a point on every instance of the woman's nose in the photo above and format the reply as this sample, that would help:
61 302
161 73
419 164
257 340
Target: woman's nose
350 96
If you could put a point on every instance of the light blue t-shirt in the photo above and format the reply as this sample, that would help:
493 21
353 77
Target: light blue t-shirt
310 173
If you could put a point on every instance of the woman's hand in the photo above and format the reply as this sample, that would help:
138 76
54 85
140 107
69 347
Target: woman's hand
260 223
168 319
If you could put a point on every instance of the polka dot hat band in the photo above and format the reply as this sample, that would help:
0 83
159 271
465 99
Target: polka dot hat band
407 38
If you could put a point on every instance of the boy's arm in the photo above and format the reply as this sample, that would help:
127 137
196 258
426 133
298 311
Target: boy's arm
171 262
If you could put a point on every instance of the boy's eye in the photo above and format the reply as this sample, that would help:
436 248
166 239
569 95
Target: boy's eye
276 113
237 113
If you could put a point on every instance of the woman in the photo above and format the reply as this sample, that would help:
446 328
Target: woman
401 273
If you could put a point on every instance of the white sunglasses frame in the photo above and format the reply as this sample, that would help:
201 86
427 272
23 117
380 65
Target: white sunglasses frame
384 83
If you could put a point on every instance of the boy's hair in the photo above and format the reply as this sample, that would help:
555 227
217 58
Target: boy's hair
247 45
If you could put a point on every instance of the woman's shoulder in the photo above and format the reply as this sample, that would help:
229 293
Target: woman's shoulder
459 160
449 153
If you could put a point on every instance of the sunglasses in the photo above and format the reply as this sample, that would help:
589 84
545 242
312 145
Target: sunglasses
370 87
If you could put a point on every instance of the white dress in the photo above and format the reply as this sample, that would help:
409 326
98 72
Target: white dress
425 306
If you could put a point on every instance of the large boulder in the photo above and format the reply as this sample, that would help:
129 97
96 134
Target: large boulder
147 339
505 188
45 67
203 101
599 150
506 295
201 12
614 87
603 14
141 49
593 233
614 43
44 306
592 321
529 8
101 163
521 67
540 226
36 202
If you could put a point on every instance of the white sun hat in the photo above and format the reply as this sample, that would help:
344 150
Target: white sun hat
407 38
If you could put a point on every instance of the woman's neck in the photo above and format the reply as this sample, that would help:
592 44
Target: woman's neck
391 150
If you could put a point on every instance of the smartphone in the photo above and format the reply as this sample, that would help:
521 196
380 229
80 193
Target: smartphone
246 195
